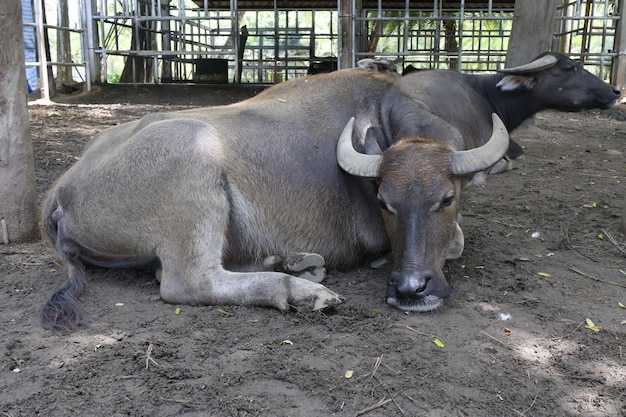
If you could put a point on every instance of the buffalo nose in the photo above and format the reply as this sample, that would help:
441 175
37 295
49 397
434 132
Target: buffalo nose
410 284
617 91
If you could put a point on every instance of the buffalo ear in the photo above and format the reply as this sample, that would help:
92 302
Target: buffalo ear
371 146
353 162
516 82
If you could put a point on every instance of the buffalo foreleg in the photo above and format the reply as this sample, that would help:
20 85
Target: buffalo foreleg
513 159
217 286
192 273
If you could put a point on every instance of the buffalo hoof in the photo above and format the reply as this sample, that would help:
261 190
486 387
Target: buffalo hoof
380 262
329 300
309 266
297 262
501 166
506 164
311 296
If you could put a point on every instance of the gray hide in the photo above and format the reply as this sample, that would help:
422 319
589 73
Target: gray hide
209 192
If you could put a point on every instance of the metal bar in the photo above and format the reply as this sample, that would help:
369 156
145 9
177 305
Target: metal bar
235 37
460 29
41 50
415 18
405 37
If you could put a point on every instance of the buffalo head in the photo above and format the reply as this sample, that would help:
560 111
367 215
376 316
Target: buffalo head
560 83
419 185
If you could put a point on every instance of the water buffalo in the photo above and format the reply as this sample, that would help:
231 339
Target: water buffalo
210 194
217 196
377 65
442 103
322 66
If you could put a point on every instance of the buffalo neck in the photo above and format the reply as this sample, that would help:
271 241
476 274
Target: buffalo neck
513 107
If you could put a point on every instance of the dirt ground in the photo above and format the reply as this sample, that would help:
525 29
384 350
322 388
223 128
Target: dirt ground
543 254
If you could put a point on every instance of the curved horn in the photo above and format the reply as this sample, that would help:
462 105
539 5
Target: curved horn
353 162
537 65
477 159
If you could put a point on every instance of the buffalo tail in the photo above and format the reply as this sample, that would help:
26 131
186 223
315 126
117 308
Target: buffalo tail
62 312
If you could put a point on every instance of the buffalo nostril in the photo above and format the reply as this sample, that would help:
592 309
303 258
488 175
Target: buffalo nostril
617 91
412 284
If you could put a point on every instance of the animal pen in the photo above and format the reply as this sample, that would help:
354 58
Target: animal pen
268 41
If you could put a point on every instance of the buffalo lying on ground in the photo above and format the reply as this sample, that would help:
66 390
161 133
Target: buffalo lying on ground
217 195
441 103
221 198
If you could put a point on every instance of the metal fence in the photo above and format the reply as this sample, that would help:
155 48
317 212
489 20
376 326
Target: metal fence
169 41
52 35
476 39
473 40
586 30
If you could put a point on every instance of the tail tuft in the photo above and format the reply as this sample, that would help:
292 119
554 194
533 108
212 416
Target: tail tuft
62 312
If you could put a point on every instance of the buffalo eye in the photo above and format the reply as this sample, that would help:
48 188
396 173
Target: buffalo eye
446 202
569 67
384 205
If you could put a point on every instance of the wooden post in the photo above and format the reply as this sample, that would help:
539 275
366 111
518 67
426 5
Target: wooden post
64 46
532 30
18 199
619 63
346 33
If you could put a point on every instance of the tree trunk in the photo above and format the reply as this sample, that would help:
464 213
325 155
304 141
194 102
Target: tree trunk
451 44
531 33
64 47
18 199
374 36
138 68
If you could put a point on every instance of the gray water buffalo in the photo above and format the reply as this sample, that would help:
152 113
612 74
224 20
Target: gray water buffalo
211 194
441 103
217 197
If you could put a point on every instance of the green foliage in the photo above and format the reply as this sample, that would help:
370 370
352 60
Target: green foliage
113 78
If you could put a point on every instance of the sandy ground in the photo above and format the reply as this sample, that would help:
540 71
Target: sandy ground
543 254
